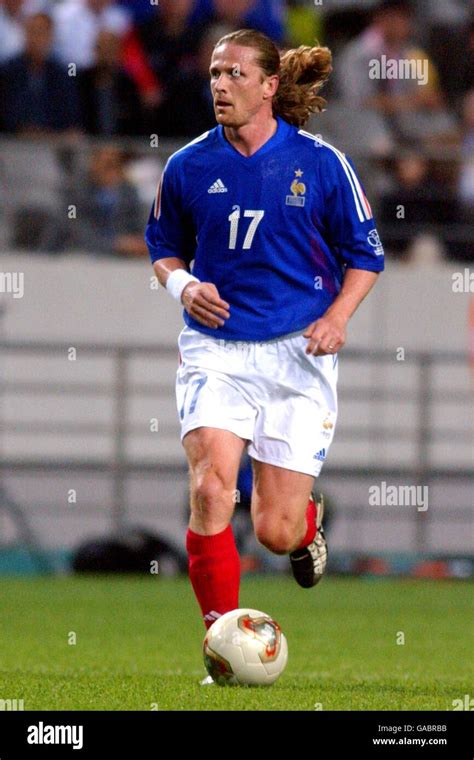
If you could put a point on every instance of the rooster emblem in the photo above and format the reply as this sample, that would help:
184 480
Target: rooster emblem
298 188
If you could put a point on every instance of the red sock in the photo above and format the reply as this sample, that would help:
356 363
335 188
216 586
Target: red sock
310 525
214 570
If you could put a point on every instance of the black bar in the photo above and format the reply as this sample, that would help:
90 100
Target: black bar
217 734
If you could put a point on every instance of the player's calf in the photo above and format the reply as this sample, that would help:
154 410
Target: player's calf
309 561
277 535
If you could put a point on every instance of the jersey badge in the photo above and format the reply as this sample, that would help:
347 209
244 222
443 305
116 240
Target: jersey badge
298 189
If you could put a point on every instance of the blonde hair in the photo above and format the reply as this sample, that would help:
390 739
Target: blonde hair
302 72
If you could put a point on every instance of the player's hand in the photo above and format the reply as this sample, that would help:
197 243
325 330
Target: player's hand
202 302
326 336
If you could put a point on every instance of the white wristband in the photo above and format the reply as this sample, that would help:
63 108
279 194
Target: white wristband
177 281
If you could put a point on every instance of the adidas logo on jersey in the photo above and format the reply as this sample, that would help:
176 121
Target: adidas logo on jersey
321 455
218 187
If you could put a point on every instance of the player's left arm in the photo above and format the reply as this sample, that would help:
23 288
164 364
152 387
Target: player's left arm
327 335
352 235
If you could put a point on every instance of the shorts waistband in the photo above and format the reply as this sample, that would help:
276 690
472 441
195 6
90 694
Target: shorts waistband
223 343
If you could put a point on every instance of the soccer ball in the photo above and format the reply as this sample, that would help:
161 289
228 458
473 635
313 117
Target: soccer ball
245 648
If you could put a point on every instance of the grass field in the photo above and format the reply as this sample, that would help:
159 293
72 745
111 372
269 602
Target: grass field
138 645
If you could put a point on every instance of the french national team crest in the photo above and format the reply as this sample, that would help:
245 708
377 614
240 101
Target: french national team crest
298 189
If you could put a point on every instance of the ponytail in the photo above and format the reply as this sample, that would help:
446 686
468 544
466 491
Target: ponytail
302 72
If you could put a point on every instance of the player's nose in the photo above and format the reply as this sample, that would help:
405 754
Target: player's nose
220 83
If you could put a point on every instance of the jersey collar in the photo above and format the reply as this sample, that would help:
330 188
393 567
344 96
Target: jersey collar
280 135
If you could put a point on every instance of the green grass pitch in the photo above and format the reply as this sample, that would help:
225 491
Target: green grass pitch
138 645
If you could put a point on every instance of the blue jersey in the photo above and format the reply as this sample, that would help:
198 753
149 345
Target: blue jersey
274 232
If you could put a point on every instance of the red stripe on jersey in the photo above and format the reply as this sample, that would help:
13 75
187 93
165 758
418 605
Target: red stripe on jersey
158 199
367 205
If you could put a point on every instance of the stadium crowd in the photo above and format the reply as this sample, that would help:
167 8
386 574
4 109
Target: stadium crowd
74 69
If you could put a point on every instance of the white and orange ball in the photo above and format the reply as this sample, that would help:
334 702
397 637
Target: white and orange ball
245 647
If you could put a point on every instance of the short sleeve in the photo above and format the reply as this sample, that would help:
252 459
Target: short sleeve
348 217
170 232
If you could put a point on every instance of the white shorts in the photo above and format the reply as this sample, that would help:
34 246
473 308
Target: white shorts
269 393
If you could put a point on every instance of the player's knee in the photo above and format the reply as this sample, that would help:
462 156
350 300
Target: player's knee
211 500
208 487
277 536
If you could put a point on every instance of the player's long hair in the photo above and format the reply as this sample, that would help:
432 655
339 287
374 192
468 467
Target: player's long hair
302 73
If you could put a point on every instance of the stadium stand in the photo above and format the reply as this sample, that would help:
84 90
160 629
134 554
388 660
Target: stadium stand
74 196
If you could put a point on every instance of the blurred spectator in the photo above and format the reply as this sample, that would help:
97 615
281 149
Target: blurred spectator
78 22
446 39
144 171
168 39
411 106
139 9
268 16
466 178
33 199
467 77
37 96
450 12
160 48
11 29
109 218
188 110
463 248
414 203
12 16
305 23
109 97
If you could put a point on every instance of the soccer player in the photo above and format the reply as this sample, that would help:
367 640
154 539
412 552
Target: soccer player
285 248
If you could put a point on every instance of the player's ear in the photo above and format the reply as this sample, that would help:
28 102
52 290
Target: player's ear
271 86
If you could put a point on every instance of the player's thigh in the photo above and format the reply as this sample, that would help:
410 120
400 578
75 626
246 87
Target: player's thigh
214 456
279 494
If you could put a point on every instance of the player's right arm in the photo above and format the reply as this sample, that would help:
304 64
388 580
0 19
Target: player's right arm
171 240
200 299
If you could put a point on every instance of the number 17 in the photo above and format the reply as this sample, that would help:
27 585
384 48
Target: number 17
234 219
